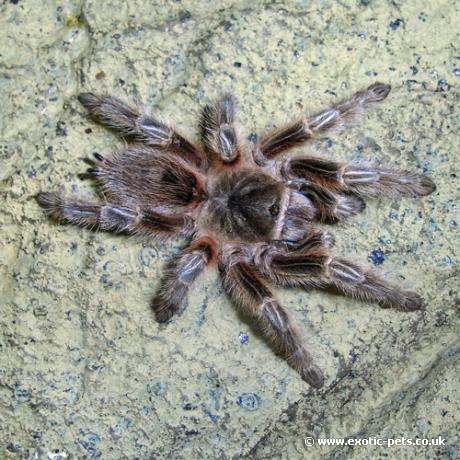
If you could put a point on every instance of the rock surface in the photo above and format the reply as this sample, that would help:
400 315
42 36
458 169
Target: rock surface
85 371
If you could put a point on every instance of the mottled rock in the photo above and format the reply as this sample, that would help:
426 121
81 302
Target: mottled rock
85 372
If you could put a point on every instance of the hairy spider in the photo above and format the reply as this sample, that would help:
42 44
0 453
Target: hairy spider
245 209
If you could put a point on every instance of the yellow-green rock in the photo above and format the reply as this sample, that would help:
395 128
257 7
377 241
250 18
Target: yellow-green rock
86 372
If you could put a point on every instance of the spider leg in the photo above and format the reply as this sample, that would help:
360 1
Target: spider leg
313 240
353 178
357 282
180 274
117 218
332 207
309 127
135 127
243 283
220 133
298 267
316 268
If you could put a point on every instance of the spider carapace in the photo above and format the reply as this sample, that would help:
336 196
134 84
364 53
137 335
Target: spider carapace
252 211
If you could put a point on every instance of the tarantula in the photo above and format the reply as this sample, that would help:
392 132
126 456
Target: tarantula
244 208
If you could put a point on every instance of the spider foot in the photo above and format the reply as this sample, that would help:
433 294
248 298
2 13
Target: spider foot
410 301
377 92
312 375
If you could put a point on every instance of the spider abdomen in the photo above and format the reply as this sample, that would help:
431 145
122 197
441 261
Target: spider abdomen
146 175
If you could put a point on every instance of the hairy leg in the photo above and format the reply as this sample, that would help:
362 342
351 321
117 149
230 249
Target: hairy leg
243 283
357 179
117 218
220 133
179 276
331 206
135 127
316 268
312 240
302 266
309 127
355 281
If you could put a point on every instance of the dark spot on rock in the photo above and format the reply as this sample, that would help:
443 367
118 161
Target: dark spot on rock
452 351
115 432
353 356
442 319
395 24
447 261
156 388
244 338
61 129
104 279
328 142
202 312
377 257
22 394
413 70
100 75
457 72
252 138
39 309
237 64
90 442
13 446
14 2
188 406
248 401
443 85
423 16
148 256
185 16
88 130
213 417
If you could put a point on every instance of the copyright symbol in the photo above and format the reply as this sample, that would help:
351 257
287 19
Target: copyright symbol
309 441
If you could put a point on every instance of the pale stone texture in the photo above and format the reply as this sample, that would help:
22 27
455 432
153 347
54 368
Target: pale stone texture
85 372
